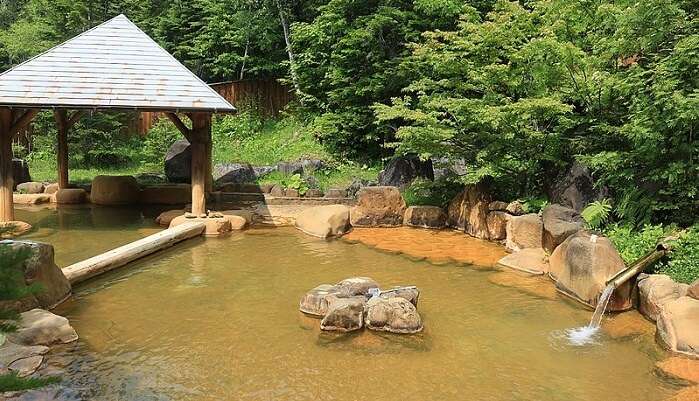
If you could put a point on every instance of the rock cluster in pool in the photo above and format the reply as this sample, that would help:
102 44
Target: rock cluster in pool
358 302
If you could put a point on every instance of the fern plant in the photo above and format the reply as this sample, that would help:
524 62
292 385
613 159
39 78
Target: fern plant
597 213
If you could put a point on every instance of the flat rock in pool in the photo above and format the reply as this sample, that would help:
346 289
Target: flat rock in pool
344 314
315 301
411 294
356 286
394 315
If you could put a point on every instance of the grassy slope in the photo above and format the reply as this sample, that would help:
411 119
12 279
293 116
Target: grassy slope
237 139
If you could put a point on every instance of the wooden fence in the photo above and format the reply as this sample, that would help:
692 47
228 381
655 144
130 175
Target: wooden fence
268 95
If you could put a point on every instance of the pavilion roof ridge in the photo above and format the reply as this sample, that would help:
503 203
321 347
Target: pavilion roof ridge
114 65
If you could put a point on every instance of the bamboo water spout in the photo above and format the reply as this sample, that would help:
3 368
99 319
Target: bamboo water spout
639 265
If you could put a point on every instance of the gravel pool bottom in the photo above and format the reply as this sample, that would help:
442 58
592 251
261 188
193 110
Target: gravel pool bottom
218 319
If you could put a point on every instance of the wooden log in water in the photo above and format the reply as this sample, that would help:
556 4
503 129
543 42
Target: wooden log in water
118 257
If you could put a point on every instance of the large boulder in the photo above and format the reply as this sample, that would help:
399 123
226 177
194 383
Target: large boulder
576 188
20 172
402 170
40 327
233 173
581 266
115 190
51 188
324 221
39 269
30 199
344 314
497 225
678 326
468 211
560 222
378 207
315 301
165 218
394 315
654 291
425 217
693 290
179 194
178 162
70 196
30 187
303 166
524 232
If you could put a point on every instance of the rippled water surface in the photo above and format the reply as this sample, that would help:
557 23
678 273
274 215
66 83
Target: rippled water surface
217 319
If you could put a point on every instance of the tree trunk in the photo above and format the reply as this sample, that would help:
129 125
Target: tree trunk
289 51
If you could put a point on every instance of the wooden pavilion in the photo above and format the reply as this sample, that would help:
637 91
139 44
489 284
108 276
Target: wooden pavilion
117 67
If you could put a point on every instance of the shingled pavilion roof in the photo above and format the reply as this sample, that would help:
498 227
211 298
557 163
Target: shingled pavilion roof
112 66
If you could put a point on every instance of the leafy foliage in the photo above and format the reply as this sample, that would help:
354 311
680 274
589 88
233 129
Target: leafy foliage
296 182
431 193
632 243
597 213
683 265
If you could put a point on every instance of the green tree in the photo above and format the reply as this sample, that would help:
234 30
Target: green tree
350 56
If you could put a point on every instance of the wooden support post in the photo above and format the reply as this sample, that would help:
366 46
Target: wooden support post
7 212
64 123
10 124
201 163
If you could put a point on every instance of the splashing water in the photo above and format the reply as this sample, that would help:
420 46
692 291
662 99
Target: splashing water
586 335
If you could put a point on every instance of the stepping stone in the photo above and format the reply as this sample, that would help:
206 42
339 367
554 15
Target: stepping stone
677 367
529 260
40 327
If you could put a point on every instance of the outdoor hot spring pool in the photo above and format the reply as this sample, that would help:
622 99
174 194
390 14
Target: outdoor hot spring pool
218 319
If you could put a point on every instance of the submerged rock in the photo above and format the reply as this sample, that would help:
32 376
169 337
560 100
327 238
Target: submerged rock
40 327
344 314
654 291
378 207
14 228
394 315
680 368
30 199
324 221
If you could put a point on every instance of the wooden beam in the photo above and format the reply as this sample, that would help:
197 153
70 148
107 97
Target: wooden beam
118 257
77 115
200 141
180 125
22 121
7 211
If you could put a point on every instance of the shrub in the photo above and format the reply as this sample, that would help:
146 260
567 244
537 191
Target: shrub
683 263
631 243
431 193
